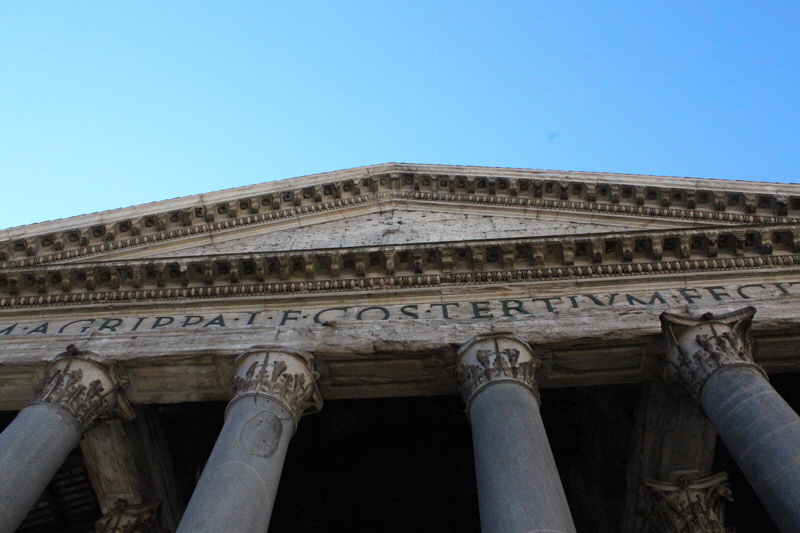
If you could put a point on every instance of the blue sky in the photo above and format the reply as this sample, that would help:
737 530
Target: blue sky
109 104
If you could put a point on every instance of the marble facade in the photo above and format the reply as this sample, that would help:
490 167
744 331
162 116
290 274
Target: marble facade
407 281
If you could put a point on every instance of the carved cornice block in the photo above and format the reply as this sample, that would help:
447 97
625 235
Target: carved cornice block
426 264
185 218
86 385
689 506
495 358
285 376
697 347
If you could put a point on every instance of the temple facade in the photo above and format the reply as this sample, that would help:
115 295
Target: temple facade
408 348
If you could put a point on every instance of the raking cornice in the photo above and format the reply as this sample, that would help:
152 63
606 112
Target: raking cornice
680 199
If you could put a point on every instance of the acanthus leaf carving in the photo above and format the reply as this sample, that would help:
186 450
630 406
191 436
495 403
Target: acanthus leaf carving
697 347
84 385
288 377
689 506
127 518
492 358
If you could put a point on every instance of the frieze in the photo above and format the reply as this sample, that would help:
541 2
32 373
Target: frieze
401 266
518 307
563 194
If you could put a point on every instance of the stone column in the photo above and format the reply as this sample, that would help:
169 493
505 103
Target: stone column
236 491
710 356
78 387
130 468
674 447
519 490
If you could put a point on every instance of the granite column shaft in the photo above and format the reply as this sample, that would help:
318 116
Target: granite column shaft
762 432
77 388
519 489
711 357
237 488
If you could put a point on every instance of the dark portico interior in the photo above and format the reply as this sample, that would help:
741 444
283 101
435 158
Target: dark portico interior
405 464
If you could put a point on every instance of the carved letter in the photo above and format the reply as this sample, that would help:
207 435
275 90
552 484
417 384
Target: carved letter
316 317
517 306
656 296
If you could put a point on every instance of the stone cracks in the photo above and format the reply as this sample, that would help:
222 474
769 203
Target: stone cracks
689 506
563 194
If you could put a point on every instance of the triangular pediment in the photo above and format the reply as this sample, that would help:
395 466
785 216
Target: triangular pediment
405 223
399 204
401 227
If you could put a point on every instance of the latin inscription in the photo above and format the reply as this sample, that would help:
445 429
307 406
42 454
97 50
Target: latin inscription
470 310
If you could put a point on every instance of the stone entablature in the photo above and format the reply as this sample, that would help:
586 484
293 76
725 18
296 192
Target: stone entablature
705 201
382 343
404 266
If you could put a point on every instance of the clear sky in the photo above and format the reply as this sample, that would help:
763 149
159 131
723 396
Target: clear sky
108 104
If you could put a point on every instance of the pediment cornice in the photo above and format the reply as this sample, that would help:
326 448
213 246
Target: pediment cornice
425 265
680 199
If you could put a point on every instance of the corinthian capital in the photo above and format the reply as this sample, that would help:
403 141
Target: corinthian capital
286 376
130 519
697 347
84 384
689 507
495 358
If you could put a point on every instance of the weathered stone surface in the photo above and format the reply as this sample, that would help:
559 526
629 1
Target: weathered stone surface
78 387
382 272
111 464
130 467
237 488
685 506
407 225
164 223
711 357
699 347
674 444
763 434
595 343
32 449
518 485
